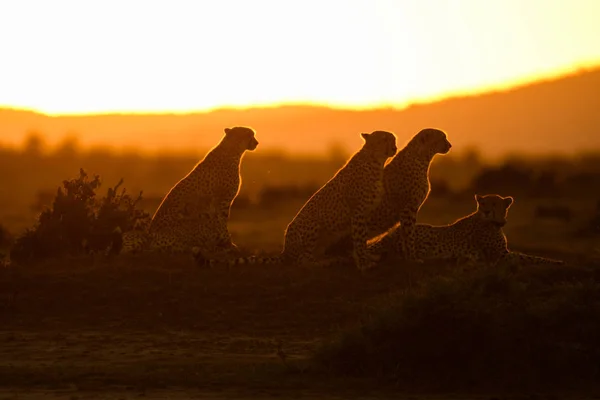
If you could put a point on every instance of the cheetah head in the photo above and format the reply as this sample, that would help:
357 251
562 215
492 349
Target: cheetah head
493 208
242 136
383 142
434 140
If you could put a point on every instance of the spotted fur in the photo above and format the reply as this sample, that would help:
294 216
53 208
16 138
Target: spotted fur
475 238
340 207
406 187
195 212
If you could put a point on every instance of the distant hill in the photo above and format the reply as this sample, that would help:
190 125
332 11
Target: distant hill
559 115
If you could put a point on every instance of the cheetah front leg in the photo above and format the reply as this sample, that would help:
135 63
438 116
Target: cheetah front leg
408 220
223 235
494 252
361 254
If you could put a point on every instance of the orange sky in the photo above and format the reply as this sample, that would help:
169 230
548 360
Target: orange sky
138 55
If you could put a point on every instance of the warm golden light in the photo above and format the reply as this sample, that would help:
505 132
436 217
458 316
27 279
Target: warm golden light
99 56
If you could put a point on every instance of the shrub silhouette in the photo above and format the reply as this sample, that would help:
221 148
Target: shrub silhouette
79 223
546 185
558 212
507 178
583 184
532 328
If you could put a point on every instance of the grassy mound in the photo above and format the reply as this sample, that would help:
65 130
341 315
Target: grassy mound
537 327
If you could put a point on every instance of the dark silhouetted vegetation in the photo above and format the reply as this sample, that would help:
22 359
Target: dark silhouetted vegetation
536 328
78 222
527 328
271 179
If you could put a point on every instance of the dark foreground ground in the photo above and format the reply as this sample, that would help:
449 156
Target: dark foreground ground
139 325
161 328
137 328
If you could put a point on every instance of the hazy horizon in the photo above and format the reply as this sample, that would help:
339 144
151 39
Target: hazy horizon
107 105
503 76
355 55
557 115
467 93
505 87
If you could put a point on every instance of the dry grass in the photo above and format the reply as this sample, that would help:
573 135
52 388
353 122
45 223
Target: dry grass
142 325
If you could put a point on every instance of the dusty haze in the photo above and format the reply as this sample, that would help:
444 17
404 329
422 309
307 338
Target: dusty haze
560 115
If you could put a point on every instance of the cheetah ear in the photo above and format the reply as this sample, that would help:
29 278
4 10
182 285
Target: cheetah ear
365 135
508 201
228 131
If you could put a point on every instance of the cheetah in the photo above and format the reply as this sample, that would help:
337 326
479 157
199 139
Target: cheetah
195 212
477 237
340 207
406 187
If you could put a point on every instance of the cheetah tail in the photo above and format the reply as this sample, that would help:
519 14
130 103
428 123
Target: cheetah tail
526 259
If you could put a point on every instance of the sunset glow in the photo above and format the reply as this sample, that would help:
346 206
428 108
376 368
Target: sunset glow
103 56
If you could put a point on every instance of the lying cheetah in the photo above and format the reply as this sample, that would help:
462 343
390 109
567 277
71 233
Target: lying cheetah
196 210
406 187
477 237
340 207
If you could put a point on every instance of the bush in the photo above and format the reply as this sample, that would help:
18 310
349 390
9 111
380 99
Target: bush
490 328
79 223
507 178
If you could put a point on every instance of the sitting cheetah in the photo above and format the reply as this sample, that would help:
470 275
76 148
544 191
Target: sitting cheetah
338 208
196 210
406 187
477 237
